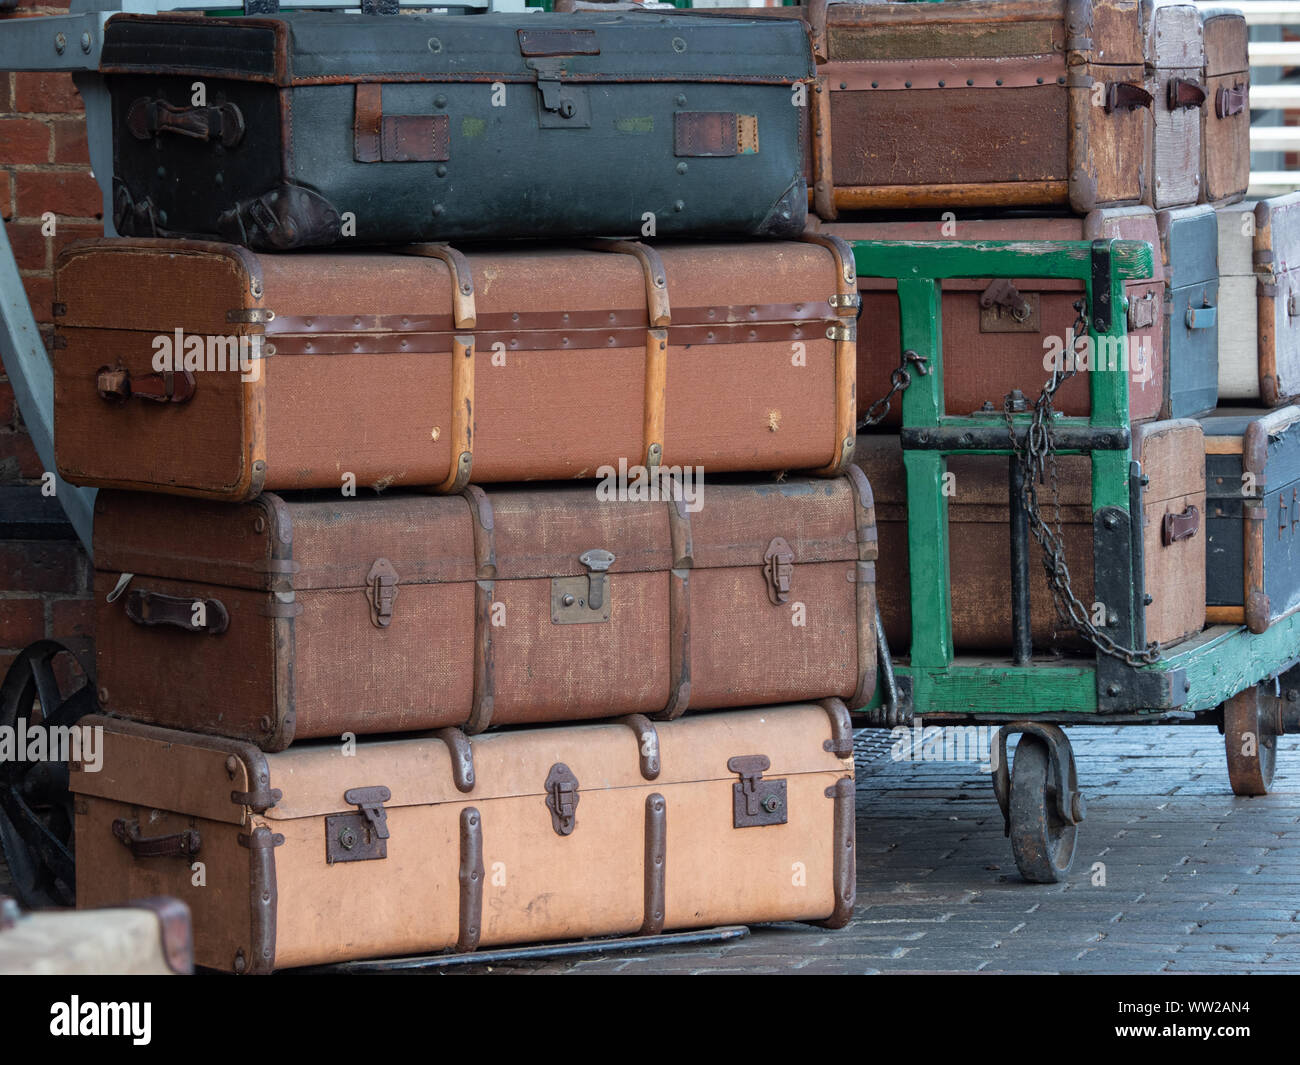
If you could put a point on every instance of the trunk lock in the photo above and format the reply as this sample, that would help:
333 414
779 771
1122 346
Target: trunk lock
363 836
778 568
755 801
583 600
562 798
381 590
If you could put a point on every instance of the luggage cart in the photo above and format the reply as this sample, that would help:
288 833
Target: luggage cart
1225 675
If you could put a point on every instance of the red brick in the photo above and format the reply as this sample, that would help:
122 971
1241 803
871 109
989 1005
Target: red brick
31 246
24 140
68 193
46 94
73 617
22 621
18 457
70 141
6 196
40 566
8 405
40 294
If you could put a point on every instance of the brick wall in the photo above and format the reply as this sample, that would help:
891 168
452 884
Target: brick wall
44 583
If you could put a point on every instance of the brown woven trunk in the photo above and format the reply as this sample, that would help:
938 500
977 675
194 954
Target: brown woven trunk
273 621
1172 454
987 350
435 368
424 843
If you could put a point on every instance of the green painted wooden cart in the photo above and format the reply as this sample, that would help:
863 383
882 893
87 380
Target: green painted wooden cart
1224 676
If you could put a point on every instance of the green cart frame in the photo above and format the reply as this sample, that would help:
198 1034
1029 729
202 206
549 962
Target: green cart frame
1225 675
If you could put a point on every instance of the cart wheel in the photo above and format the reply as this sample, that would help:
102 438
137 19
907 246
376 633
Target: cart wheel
1250 739
35 804
1043 844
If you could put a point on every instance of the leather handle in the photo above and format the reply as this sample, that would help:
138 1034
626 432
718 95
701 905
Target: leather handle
1181 526
1202 317
1228 102
116 385
1184 92
177 845
148 118
1125 96
154 608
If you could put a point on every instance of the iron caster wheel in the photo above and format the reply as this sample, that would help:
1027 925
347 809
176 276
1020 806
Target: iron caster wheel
1041 840
1251 721
35 804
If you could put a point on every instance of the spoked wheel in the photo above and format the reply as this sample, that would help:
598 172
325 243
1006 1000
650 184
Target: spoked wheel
1041 840
35 804
1250 731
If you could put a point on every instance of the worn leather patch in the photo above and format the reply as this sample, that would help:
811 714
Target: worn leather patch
416 139
713 133
367 116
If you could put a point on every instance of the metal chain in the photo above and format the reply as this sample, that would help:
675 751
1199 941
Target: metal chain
1037 460
899 379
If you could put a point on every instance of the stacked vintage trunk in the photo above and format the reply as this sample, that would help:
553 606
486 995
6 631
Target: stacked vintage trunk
308 684
1062 119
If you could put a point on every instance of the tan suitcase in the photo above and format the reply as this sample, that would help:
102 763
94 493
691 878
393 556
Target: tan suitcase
150 937
443 369
1172 456
321 854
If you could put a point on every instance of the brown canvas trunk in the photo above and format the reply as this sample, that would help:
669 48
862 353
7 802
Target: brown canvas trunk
1172 455
441 369
425 844
987 351
417 612
979 104
1175 53
1225 135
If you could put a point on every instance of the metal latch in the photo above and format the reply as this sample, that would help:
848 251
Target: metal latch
1005 309
362 836
562 798
583 600
381 590
1292 306
1142 311
778 568
755 801
563 106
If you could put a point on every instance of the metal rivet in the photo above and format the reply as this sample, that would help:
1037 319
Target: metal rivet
1110 521
681 168
1112 690
681 100
438 209
679 205
679 45
85 42
440 101
60 43
875 84
440 170
103 695
435 45
259 524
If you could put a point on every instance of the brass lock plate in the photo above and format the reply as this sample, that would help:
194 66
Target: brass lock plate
1001 319
569 604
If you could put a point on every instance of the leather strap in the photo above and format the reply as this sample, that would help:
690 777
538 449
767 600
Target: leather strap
462 415
154 608
1228 102
177 845
1184 92
1124 96
659 315
116 385
148 118
485 570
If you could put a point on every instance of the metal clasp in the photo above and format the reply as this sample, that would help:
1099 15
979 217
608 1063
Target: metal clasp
596 561
755 801
562 798
381 590
362 836
778 568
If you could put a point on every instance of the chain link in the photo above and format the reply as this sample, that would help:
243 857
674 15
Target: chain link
1037 458
899 379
